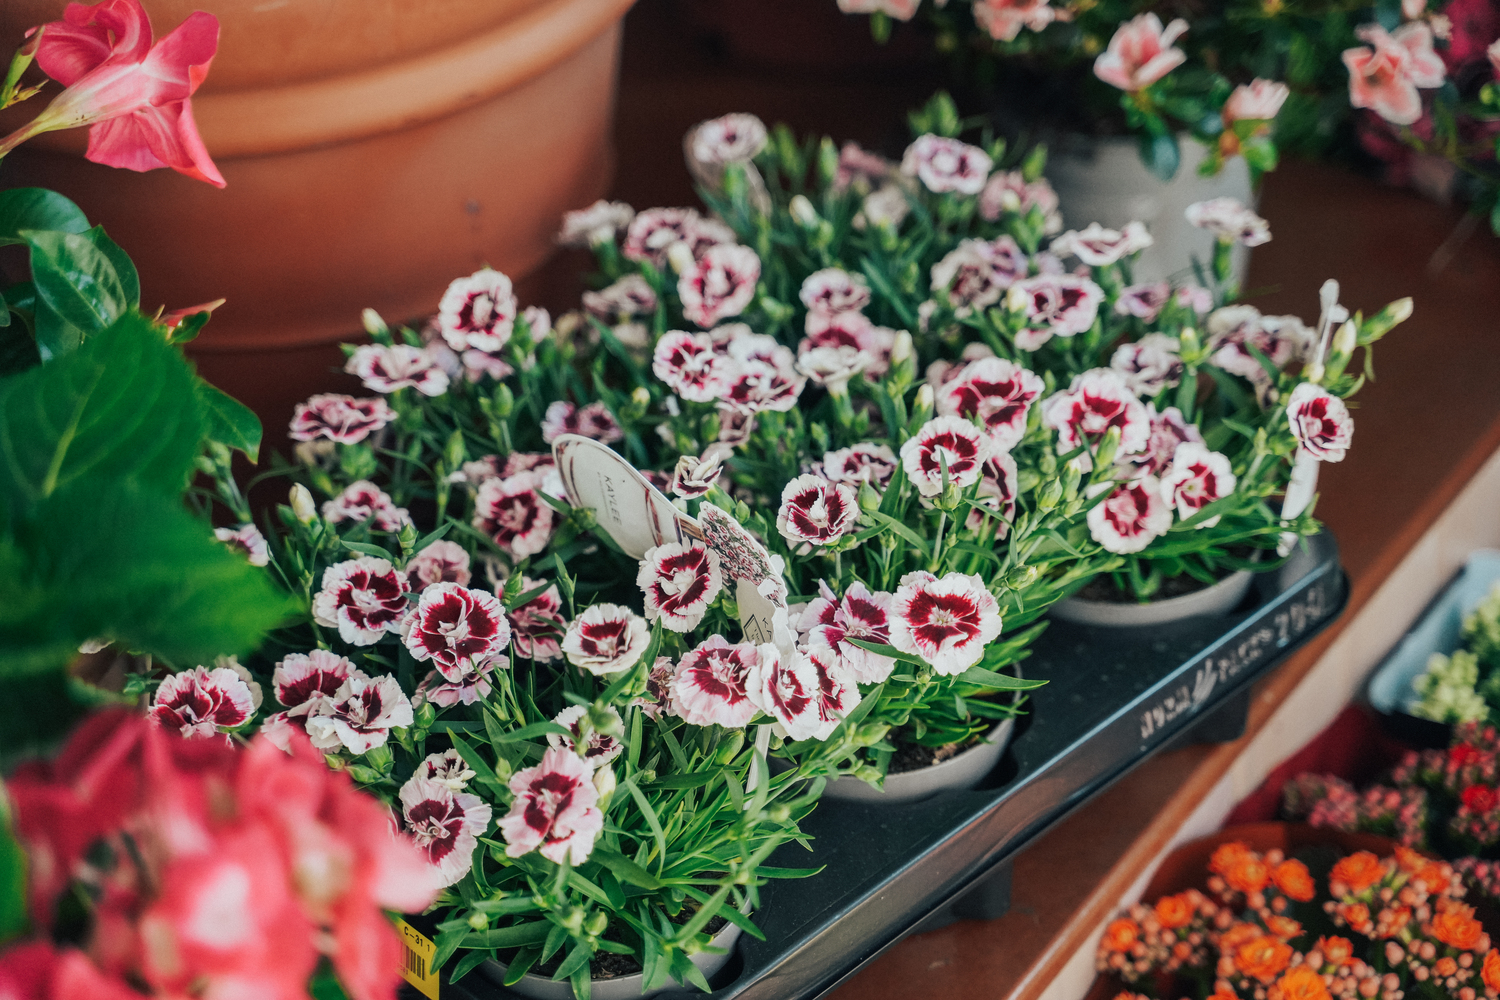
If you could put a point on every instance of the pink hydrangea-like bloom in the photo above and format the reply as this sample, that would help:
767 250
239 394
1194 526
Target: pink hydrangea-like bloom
689 365
399 366
977 272
1100 247
1168 430
711 684
720 284
901 10
1320 422
944 165
680 582
951 440
1232 330
536 627
247 539
1385 78
997 491
1141 52
456 628
870 462
478 311
1097 400
305 681
441 561
339 418
830 622
693 476
946 622
1144 301
466 687
1004 19
513 513
592 421
446 825
362 502
1149 365
606 639
363 598
816 511
1053 305
653 232
554 811
1131 516
630 296
198 703
1197 478
834 290
589 227
360 715
447 768
785 687
995 392
732 138
1230 221
837 691
1258 100
1010 191
601 747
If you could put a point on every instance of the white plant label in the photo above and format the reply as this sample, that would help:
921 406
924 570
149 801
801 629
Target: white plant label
636 514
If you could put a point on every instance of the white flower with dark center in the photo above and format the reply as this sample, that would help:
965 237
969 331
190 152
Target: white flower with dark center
1168 430
601 747
951 443
1320 422
1144 301
694 476
884 208
360 715
339 418
732 138
536 627
689 365
945 165
1099 247
554 810
1234 330
606 639
946 622
995 392
834 290
201 702
1230 221
630 296
815 511
512 512
976 273
304 681
1053 305
753 385
837 692
398 366
711 685
833 367
247 539
1196 479
441 561
870 462
363 502
785 687
657 701
830 622
456 628
997 492
589 227
363 598
719 285
445 825
1149 365
1011 192
469 684
478 311
1097 400
1131 517
446 768
591 421
680 582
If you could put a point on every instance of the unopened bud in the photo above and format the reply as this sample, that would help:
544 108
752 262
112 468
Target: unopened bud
1188 342
641 396
1049 495
680 256
802 212
779 813
828 161
456 452
425 715
869 499
573 920
303 507
1108 447
478 921
924 400
598 923
901 347
604 782
730 747
373 324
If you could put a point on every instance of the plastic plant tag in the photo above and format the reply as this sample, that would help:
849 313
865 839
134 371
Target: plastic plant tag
760 590
637 515
416 959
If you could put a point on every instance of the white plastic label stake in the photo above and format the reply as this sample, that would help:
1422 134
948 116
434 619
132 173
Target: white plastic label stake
1300 491
637 515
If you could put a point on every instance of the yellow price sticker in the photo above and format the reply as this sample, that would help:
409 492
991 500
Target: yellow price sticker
416 965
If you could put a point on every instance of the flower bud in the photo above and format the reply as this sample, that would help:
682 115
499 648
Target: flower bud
802 212
641 396
924 402
1105 456
1049 495
869 499
1189 344
426 715
478 921
779 813
1383 322
604 784
573 919
680 256
597 923
730 746
828 161
303 507
901 347
373 324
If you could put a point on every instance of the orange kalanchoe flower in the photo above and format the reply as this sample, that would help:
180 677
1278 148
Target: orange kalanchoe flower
1225 855
1248 873
1490 972
1294 880
1300 983
1175 911
1432 874
1237 935
1357 916
1263 958
1283 927
1358 871
1121 935
1445 967
1336 950
1455 926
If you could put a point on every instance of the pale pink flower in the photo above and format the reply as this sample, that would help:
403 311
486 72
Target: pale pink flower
785 687
1144 301
816 511
1494 55
554 810
441 561
1097 400
1230 221
859 168
1385 78
247 539
837 692
732 138
689 365
591 421
1320 422
1197 478
1004 19
447 768
944 164
1150 364
995 392
363 502
946 622
630 296
479 365
1168 430
711 684
478 311
360 715
456 628
997 491
680 582
941 371
512 512
466 686
884 208
832 367
830 622
536 627
198 703
1141 52
1053 305
652 233
305 681
601 747
444 824
945 441
1233 330
720 284
1100 247
1131 517
1196 298
1009 191
841 329
976 273
735 427
606 639
870 462
833 290
589 227
657 701
339 418
901 10
1258 100
398 366
363 598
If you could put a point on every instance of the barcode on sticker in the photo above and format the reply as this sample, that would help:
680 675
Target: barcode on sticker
416 966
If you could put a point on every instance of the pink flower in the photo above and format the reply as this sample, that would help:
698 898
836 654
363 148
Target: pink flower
478 312
732 138
592 421
689 365
606 639
735 427
1196 298
364 598
1141 52
946 622
1100 247
753 385
711 685
441 561
1010 192
589 227
456 628
537 626
1196 479
785 687
1493 53
719 285
693 476
997 491
360 715
1385 79
859 167
247 539
32 970
1229 221
1004 19
1258 100
995 392
1053 305
832 367
815 511
630 296
1144 301
830 622
870 462
1168 430
399 366
945 441
833 290
364 501
444 824
601 747
307 680
977 272
1233 330
1151 364
554 810
901 10
468 686
479 365
1320 422
837 693
513 513
1097 400
653 232
680 582
198 703
657 701
447 768
944 164
339 418
1131 517
134 96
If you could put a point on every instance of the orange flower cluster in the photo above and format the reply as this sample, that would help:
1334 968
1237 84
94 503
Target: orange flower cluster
1172 935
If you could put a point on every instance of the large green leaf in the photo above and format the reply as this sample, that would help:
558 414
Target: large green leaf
55 336
230 422
13 918
75 274
40 209
130 279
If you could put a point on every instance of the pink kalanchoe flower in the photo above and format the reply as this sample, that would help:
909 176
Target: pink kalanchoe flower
1009 191
446 825
247 539
785 687
1004 19
996 393
589 227
837 690
1196 479
830 622
536 627
1168 430
976 273
1141 52
833 290
1151 364
1258 100
657 701
630 296
901 10
554 810
592 421
1131 517
513 513
606 639
339 418
1233 330
1097 400
816 511
447 768
601 747
363 598
399 366
719 285
1385 78
997 491
944 165
134 96
1320 422
870 462
360 715
948 440
711 684
441 561
468 686
478 312
732 138
1100 247
198 703
362 502
456 628
307 680
1053 305
1230 221
946 622
680 582
689 365
1144 301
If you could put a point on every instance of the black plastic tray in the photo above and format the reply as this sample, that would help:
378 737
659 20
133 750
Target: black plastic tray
1115 697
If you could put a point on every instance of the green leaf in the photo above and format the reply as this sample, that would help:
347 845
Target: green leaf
230 422
902 530
77 278
532 732
55 336
1160 154
998 682
39 209
625 869
365 549
13 918
518 936
884 650
130 279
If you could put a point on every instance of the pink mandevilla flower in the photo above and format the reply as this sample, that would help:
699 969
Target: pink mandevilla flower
456 628
946 165
1320 421
1196 479
1131 517
200 702
513 513
445 824
399 366
600 749
830 622
1004 19
1258 100
946 622
720 284
1053 305
815 511
341 419
870 462
536 627
711 684
360 715
995 392
680 582
1141 52
976 273
1097 400
441 561
247 539
1100 247
363 502
363 598
1151 364
945 442
689 365
606 639
1385 78
478 312
554 810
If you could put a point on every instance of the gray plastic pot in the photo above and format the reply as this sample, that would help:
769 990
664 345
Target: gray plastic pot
1218 599
964 770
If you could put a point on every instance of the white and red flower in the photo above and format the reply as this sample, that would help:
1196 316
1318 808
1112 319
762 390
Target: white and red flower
466 687
446 825
689 365
1097 400
536 627
1150 364
592 421
1141 52
600 749
832 367
305 681
995 392
362 502
830 622
1230 221
720 284
554 810
339 418
247 539
1131 517
478 312
479 365
945 442
201 702
693 476
976 273
711 685
589 227
870 462
441 561
1010 191
1233 330
1144 301
1197 478
1385 78
1053 305
858 167
398 366
630 296
732 138
1196 298
360 715
1004 19
680 582
785 687
447 768
946 622
753 385
816 511
833 290
1100 247
606 639
944 164
1258 100
837 689
363 598
997 491
1320 422
652 233
456 628
1168 430
884 208
513 513
901 10
657 701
